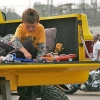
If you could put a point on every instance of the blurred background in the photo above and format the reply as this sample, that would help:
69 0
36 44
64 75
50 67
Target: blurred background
91 8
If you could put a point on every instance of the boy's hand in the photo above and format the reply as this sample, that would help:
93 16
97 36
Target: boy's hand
1 59
27 55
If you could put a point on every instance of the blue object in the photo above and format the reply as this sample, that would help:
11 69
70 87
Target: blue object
21 59
12 58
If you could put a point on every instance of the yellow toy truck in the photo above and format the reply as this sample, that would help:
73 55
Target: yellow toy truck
41 80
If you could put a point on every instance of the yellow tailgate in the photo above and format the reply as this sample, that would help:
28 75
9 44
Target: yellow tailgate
46 74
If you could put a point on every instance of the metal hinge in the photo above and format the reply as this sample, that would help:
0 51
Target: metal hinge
79 22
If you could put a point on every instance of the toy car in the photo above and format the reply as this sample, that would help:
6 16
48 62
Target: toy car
54 57
12 58
64 57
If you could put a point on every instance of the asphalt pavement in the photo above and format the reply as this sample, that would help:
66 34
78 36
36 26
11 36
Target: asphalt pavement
80 95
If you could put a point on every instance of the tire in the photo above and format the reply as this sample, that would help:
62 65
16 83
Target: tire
25 93
69 89
45 93
52 93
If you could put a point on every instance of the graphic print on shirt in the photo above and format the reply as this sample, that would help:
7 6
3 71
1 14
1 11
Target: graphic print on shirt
28 38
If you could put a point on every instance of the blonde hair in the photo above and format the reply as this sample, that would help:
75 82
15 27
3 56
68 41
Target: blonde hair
30 15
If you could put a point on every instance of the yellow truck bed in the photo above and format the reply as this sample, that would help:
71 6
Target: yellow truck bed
27 74
69 28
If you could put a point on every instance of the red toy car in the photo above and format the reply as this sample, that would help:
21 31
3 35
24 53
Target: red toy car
54 57
64 57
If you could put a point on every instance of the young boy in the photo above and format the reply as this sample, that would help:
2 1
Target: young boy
32 30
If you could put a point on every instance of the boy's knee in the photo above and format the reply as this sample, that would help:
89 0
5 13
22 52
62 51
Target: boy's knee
28 42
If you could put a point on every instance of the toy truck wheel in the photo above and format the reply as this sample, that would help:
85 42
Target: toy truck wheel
70 59
43 60
6 61
17 61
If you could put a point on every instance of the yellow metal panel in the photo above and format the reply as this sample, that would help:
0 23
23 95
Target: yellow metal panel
85 28
52 77
44 18
13 81
43 74
41 66
34 78
59 17
49 66
81 48
85 31
1 18
10 21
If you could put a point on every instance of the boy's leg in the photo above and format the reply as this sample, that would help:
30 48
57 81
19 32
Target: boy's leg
28 45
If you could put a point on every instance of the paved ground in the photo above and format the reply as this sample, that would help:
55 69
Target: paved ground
79 95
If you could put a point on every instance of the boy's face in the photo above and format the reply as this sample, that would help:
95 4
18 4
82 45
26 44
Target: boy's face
30 27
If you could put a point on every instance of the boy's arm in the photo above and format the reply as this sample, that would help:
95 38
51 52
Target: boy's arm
18 45
41 51
1 57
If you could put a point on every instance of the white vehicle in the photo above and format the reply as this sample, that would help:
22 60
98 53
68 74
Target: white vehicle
8 58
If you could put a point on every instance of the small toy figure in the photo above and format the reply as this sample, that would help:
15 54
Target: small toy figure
12 58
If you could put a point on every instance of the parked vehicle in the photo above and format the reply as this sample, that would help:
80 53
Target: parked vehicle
91 85
40 80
